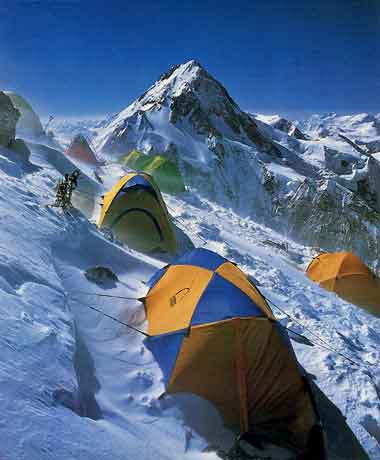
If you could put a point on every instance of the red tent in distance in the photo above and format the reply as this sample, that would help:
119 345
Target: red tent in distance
80 150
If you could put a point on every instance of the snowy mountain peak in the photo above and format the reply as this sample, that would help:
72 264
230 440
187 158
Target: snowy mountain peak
189 68
183 80
185 101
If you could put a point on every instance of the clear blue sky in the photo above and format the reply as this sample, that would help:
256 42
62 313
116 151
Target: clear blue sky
83 57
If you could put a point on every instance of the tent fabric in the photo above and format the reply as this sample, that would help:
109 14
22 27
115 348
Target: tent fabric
181 285
29 124
235 303
202 258
239 279
165 349
345 274
163 170
80 150
135 212
156 278
223 343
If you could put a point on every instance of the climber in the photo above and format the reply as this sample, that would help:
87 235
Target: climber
72 184
65 189
73 178
61 193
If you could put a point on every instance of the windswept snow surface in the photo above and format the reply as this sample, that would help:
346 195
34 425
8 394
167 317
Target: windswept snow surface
75 384
47 375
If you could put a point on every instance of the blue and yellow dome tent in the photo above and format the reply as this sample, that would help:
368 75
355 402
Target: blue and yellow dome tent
214 335
135 212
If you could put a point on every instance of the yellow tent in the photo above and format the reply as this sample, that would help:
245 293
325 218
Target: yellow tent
345 274
135 212
214 335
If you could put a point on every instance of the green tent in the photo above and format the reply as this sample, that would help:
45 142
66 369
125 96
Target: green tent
163 170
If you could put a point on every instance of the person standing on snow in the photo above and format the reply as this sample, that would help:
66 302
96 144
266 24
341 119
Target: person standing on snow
65 189
72 184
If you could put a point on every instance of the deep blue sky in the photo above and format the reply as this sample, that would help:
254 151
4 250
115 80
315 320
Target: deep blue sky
83 57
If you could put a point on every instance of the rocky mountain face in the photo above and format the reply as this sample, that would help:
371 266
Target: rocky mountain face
191 100
326 215
300 178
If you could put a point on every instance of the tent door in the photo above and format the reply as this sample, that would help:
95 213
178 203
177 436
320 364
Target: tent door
138 228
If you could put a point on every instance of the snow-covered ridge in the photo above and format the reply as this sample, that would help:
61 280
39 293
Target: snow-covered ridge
282 124
362 126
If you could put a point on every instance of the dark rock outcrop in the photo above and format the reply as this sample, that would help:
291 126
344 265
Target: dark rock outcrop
289 128
329 216
338 162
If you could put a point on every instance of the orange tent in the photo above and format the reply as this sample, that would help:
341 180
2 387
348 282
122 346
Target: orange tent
345 274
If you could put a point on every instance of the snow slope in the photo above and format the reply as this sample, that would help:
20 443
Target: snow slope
75 384
46 370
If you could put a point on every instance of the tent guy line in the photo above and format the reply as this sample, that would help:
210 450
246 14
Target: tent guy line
140 299
325 346
129 326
